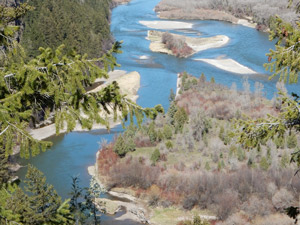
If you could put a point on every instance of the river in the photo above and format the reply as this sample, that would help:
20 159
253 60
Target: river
72 153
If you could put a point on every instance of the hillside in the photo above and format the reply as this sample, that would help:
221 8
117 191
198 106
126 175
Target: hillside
83 25
188 162
235 11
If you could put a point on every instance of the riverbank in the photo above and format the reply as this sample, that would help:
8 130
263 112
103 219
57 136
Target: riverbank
123 200
229 65
129 84
165 10
196 44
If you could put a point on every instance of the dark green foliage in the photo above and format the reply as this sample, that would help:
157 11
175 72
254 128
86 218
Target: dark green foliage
41 205
241 154
264 164
155 156
77 206
169 144
4 168
279 141
171 113
212 80
123 145
83 25
171 96
291 141
207 166
285 159
180 118
82 202
152 132
167 131
202 78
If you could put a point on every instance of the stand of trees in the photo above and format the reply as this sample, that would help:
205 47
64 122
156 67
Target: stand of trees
52 84
83 25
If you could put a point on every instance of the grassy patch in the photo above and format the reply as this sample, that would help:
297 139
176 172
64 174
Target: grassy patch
171 216
144 152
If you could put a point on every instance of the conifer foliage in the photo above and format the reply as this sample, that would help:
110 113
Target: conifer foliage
54 85
283 62
41 206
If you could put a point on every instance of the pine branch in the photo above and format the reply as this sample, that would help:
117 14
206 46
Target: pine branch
4 130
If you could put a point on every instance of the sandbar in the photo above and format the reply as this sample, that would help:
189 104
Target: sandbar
197 44
229 65
129 84
166 25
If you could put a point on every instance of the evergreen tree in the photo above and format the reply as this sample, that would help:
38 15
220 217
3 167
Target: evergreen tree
4 168
180 118
155 156
56 22
53 84
41 205
171 96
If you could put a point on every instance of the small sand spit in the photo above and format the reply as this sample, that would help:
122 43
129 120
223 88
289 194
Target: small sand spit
229 65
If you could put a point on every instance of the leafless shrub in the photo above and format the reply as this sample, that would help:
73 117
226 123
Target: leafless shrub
225 203
282 199
236 219
133 174
276 219
257 206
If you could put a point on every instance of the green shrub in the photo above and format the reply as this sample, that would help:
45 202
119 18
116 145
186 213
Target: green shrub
155 156
169 144
291 141
241 154
279 142
264 164
180 118
167 131
123 145
207 166
152 133
284 160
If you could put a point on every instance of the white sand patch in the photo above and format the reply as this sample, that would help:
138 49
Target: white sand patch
246 23
229 65
143 57
166 25
207 43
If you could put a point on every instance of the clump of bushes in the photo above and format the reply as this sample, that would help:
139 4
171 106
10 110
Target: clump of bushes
177 45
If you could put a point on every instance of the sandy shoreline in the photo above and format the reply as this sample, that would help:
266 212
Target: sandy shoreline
229 65
129 85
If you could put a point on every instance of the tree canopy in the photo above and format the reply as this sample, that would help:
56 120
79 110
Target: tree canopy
54 85
80 25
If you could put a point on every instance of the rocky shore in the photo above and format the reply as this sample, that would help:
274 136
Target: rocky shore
123 200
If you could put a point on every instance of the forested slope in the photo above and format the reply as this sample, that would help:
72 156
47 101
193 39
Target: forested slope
80 24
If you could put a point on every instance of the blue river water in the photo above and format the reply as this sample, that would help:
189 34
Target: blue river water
72 153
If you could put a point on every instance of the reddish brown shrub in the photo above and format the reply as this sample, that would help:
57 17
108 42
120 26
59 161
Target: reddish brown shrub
133 174
107 158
